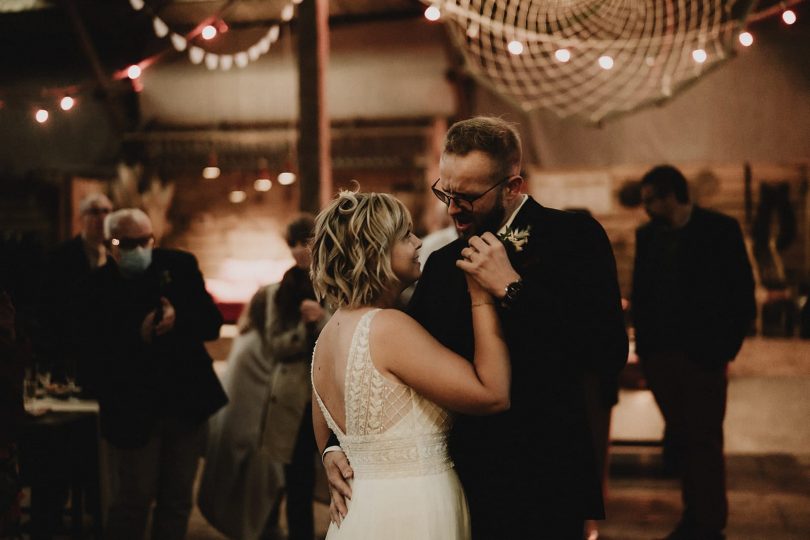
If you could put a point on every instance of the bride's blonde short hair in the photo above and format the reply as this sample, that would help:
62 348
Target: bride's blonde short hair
351 248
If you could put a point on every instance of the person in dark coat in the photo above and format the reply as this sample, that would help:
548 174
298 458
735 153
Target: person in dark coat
693 304
530 472
157 385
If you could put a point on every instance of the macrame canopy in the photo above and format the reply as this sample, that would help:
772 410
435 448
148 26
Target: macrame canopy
592 59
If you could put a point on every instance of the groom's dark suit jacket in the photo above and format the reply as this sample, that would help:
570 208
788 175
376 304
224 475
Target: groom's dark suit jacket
537 459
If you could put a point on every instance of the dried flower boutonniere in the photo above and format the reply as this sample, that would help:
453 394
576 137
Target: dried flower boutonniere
517 238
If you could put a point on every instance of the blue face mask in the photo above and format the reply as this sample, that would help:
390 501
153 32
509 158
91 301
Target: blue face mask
133 262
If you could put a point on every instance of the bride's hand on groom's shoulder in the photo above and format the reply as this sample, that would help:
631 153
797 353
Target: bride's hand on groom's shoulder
338 473
486 261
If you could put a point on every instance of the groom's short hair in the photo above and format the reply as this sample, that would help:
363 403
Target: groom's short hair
493 136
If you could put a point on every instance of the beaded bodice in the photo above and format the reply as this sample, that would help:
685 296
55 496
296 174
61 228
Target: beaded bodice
390 429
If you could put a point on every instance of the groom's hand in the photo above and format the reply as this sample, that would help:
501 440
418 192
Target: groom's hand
485 259
338 472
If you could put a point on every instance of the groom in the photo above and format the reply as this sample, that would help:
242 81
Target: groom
529 472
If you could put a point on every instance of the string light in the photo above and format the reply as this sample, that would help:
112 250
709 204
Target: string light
209 32
41 116
433 13
134 71
699 56
606 62
262 184
789 16
237 196
515 47
562 55
67 103
746 39
286 178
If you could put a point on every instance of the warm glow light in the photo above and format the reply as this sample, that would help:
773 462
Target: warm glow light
237 196
287 12
134 71
789 16
262 184
433 13
562 55
41 116
209 32
286 178
606 62
515 47
211 173
67 103
699 56
746 39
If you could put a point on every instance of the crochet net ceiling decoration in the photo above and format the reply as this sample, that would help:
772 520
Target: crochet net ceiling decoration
592 58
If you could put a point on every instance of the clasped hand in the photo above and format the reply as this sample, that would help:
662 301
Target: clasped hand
486 261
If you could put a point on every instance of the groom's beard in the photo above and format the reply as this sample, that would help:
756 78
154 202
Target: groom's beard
489 222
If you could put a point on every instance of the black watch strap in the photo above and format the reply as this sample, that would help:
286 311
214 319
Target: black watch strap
511 292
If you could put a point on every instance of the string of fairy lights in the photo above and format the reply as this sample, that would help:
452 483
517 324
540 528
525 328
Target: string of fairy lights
195 44
587 58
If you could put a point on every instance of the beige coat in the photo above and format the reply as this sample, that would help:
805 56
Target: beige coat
290 385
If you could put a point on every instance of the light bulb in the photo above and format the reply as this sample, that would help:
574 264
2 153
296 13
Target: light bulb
237 196
562 55
515 47
699 56
67 103
746 39
606 62
41 116
789 16
433 13
286 178
262 184
211 172
209 32
134 71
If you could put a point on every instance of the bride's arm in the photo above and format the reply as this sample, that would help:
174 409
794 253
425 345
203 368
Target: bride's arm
319 425
402 347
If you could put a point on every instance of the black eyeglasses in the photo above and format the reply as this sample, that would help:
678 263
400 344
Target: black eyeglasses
131 243
463 201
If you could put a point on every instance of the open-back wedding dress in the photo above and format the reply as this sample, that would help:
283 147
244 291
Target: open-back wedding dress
404 487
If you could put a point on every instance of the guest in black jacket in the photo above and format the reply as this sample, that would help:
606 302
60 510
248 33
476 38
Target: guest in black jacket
157 384
693 303
64 310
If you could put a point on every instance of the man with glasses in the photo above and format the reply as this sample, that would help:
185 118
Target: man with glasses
529 472
157 383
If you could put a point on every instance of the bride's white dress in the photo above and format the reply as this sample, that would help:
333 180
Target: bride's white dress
404 487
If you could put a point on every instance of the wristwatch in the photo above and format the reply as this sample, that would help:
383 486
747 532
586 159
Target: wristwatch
511 291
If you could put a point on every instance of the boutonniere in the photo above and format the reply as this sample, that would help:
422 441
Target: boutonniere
517 238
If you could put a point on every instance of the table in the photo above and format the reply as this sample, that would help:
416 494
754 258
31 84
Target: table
61 449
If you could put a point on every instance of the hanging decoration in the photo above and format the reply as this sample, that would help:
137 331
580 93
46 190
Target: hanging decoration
208 30
594 59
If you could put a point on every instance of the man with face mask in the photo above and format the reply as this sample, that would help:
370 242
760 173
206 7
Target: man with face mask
157 384
693 303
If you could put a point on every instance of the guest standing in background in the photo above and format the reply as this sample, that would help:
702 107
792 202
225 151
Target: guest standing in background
157 386
63 305
693 303
294 321
241 484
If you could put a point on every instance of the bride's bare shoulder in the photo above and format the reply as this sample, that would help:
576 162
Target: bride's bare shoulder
393 325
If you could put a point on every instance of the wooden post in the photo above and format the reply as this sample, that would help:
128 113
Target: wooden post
314 158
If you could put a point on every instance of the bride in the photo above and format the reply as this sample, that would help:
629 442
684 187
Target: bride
384 386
